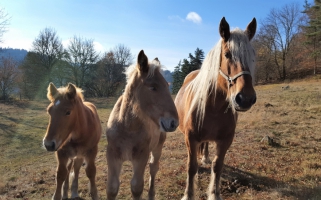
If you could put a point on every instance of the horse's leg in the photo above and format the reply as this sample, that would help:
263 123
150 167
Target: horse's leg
192 167
75 175
65 186
91 172
114 168
217 166
62 174
137 182
154 165
205 153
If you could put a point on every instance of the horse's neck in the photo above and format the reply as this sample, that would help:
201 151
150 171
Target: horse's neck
130 113
81 123
218 100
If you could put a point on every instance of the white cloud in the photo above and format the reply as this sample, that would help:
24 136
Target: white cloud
194 17
99 47
66 43
175 17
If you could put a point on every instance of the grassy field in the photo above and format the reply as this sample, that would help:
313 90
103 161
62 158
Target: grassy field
289 167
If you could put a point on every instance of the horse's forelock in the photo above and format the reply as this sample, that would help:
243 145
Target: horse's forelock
63 93
242 50
133 69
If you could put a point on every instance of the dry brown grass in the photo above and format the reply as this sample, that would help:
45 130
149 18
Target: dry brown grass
290 168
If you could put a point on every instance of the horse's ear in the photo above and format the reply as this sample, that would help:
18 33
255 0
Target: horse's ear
142 61
224 29
157 62
251 29
51 91
71 91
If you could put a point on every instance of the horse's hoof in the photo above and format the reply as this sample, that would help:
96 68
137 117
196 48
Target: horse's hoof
215 197
185 197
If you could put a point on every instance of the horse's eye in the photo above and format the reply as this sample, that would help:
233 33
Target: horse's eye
68 112
227 55
152 88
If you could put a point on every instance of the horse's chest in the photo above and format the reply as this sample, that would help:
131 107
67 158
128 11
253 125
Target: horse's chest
218 126
74 150
154 139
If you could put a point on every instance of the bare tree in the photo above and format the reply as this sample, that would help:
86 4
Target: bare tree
8 76
81 56
263 44
122 55
4 22
108 79
49 49
280 28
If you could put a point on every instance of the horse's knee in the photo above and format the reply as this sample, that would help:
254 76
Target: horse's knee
112 189
137 188
62 173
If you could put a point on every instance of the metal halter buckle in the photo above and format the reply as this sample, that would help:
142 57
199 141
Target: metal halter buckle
231 79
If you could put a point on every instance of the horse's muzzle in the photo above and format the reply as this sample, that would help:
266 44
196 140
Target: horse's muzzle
244 102
168 124
50 145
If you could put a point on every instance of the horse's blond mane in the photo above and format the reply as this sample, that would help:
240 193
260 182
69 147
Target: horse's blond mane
62 93
205 84
133 69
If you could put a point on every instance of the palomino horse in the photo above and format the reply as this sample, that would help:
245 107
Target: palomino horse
209 99
74 131
137 126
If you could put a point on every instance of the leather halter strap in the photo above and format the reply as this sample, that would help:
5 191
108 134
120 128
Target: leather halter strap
231 79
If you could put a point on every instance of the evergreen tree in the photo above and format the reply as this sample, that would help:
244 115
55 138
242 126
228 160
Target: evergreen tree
197 60
187 66
313 29
177 78
194 63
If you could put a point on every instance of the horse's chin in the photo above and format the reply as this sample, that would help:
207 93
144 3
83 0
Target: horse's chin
241 109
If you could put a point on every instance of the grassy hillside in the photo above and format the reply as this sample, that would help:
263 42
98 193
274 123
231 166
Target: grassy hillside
289 167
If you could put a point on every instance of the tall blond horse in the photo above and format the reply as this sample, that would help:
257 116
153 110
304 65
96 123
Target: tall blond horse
73 132
137 126
209 99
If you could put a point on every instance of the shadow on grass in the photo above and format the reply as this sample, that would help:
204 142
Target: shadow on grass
237 181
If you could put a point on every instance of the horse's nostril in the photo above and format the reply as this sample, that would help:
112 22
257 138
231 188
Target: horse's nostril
51 146
239 98
173 124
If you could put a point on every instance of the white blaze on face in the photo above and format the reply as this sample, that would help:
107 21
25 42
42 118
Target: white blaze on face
57 103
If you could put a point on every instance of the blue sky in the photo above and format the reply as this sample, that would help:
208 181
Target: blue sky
167 29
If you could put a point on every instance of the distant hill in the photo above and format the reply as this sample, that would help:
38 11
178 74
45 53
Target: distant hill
16 54
169 78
